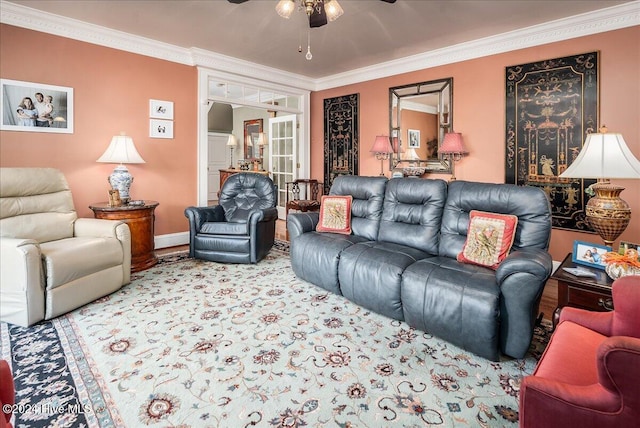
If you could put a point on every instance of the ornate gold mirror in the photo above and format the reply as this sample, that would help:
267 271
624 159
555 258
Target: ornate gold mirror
419 116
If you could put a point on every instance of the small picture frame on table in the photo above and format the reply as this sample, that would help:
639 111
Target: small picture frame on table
114 198
624 246
589 254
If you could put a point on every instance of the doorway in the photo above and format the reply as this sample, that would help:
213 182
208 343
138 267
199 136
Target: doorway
275 100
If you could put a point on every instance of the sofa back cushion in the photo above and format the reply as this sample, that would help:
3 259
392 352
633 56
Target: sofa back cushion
529 204
412 213
366 208
244 192
35 203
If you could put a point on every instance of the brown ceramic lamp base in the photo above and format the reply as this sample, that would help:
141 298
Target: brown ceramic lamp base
607 213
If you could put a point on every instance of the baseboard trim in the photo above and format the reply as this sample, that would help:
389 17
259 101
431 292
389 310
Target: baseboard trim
171 240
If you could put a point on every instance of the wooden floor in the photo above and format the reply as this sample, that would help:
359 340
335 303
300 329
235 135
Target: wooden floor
548 302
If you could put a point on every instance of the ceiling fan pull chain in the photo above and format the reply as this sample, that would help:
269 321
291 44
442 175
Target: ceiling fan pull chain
308 56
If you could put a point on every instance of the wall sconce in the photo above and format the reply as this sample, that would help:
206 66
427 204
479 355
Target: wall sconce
121 150
453 149
232 142
604 156
382 150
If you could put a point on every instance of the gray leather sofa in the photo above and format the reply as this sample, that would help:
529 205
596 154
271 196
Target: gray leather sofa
400 259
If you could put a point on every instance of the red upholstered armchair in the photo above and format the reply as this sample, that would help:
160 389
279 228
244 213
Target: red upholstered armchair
589 375
7 394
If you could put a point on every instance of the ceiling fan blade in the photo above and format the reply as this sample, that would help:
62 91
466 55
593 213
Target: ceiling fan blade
242 1
318 18
389 1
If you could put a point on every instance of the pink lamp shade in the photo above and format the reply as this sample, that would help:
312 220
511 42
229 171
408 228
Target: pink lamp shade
396 144
381 145
452 143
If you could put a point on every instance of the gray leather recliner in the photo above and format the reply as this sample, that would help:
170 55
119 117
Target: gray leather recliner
242 227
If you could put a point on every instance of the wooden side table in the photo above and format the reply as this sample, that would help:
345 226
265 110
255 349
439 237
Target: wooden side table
582 292
140 219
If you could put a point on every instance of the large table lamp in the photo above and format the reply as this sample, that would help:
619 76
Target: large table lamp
121 150
605 156
382 150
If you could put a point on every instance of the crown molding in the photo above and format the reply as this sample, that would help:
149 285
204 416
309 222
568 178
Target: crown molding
608 19
600 21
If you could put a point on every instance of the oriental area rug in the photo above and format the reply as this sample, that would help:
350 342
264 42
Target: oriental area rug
191 343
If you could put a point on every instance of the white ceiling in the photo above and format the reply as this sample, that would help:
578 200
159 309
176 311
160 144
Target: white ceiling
370 31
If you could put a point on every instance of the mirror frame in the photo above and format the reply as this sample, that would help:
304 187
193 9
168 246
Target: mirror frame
396 93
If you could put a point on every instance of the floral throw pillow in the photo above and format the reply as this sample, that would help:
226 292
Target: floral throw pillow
335 214
489 238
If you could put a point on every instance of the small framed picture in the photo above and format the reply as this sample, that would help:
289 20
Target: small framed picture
624 246
589 254
161 109
413 135
160 128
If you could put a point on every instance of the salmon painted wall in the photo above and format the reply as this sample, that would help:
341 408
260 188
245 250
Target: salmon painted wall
479 113
112 90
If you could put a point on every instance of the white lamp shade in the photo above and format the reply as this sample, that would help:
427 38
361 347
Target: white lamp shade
232 141
412 155
121 150
262 139
604 155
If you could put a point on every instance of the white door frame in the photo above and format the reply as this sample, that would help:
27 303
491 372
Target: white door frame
204 76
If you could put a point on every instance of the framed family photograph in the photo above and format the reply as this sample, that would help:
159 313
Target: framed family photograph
161 109
589 254
36 107
413 136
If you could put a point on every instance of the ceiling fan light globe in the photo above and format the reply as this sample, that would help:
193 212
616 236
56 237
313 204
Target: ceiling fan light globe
333 9
285 8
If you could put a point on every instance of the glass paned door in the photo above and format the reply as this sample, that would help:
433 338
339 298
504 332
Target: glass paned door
283 143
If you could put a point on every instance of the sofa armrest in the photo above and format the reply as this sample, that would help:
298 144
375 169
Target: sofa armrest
521 278
22 291
299 223
599 322
532 260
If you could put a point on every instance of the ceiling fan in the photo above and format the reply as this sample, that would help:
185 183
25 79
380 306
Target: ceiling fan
317 10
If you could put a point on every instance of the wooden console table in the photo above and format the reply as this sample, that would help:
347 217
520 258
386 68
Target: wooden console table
140 219
582 292
226 173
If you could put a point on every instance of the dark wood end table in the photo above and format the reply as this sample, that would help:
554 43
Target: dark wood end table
582 292
140 219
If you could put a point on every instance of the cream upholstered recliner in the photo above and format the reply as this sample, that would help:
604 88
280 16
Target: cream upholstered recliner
51 261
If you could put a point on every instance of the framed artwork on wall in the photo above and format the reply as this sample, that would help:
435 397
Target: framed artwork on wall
341 137
551 107
161 109
36 107
160 128
252 129
413 137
